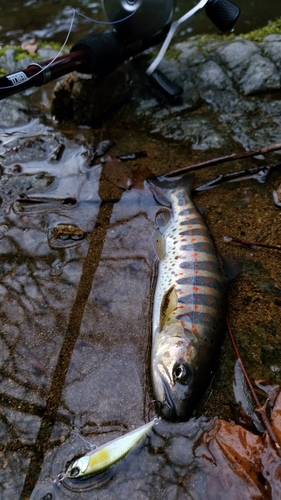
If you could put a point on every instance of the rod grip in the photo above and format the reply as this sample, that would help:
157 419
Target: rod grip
104 52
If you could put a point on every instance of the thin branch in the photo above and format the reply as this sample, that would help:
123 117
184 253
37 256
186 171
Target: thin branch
260 408
224 159
260 173
228 239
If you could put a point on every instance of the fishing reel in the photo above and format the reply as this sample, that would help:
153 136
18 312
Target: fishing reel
137 26
139 18
145 18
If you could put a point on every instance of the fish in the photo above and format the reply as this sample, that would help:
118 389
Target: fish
189 307
104 456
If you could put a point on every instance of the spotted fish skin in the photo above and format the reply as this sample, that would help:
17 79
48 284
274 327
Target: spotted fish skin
189 308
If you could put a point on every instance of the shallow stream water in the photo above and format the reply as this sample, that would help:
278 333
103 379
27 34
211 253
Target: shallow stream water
51 20
77 281
76 293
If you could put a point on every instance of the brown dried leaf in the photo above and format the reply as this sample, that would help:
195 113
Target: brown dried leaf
270 388
140 176
276 417
30 46
240 464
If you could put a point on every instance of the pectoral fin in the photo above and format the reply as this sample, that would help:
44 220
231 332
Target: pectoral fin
163 218
168 305
158 242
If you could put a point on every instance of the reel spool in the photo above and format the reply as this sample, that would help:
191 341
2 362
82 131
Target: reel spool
147 17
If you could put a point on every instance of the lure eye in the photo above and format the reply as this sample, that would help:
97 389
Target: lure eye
182 373
74 472
78 467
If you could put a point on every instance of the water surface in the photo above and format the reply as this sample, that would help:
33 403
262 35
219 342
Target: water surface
51 20
77 281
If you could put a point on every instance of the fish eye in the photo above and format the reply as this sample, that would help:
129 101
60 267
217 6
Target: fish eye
182 373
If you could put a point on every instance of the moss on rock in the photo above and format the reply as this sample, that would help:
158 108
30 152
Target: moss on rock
273 28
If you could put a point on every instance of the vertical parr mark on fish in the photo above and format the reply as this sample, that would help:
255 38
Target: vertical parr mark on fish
189 306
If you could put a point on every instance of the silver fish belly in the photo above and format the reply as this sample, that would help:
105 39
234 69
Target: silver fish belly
189 309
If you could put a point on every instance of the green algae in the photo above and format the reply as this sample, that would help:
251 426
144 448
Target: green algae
20 54
273 28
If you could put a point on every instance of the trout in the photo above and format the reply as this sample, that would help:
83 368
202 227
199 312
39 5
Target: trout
189 310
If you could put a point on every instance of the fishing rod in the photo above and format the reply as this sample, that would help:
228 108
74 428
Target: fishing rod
137 26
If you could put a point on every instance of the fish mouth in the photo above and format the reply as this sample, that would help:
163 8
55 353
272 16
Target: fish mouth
177 398
167 405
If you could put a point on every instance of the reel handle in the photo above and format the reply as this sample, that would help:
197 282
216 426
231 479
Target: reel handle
223 14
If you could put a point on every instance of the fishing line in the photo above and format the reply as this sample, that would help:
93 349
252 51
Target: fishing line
104 22
89 445
74 12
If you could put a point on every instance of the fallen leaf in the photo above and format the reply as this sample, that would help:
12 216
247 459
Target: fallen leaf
240 464
30 46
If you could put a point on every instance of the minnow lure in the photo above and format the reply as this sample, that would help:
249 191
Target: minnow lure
189 308
104 456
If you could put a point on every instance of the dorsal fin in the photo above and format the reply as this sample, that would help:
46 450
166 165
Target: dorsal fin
168 305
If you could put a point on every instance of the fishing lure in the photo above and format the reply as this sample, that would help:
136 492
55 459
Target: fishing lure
104 456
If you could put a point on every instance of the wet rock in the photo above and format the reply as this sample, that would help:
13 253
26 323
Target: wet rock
179 451
14 111
171 493
9 63
271 47
25 426
222 81
237 54
190 55
261 76
212 76
4 431
190 97
46 53
86 100
11 482
199 130
156 443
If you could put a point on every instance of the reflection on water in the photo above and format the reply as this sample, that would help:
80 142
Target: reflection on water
51 20
74 343
77 274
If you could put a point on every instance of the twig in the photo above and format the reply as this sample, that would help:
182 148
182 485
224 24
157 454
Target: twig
260 173
260 409
126 157
224 159
132 156
228 239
